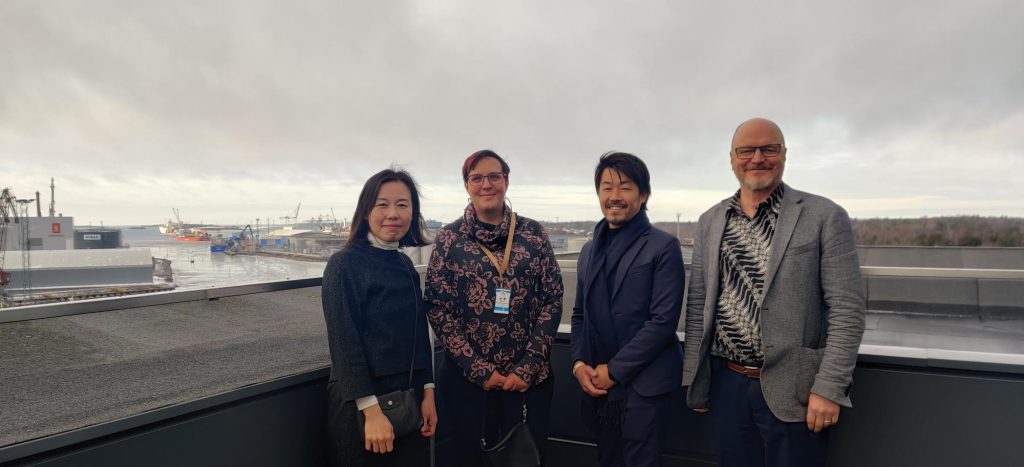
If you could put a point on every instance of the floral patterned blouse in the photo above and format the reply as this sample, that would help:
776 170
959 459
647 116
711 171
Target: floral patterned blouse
460 289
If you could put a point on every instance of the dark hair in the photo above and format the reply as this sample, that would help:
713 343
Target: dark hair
417 234
626 164
475 159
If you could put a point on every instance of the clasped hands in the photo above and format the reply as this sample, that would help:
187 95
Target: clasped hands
505 383
595 381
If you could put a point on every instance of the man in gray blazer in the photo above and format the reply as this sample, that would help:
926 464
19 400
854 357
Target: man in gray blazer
775 312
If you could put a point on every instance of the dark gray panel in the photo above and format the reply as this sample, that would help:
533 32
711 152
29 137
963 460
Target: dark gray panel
903 416
276 429
1001 299
910 418
932 295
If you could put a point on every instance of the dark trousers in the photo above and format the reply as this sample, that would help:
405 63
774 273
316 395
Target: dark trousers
347 448
640 440
748 433
462 407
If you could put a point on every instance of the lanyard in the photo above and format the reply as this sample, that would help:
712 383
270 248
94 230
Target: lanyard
502 267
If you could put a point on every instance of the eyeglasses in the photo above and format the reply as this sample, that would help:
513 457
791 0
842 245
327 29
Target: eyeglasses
493 177
768 150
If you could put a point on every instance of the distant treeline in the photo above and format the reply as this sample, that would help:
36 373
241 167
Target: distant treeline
941 231
925 231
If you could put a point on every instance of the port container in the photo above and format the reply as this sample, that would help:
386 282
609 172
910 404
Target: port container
92 239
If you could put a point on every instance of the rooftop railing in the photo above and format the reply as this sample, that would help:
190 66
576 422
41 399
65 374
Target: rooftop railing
129 359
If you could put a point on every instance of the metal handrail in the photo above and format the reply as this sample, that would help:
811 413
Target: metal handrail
888 271
959 273
53 310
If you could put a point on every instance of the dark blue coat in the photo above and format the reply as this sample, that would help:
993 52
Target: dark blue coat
646 302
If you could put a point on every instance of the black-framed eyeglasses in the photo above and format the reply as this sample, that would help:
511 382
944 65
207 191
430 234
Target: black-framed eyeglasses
493 177
768 150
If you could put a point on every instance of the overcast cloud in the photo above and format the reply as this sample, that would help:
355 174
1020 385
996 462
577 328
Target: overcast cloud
237 110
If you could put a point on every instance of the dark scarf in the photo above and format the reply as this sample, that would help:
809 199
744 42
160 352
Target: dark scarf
492 237
600 332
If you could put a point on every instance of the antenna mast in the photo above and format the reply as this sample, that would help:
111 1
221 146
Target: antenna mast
52 211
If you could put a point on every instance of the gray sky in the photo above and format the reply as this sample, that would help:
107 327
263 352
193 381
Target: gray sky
237 110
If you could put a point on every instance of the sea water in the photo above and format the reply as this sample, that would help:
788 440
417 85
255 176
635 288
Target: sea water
193 266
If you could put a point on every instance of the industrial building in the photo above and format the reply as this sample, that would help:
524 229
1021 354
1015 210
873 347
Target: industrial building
44 233
310 242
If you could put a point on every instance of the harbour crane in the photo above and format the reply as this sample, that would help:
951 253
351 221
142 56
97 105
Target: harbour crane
293 216
334 220
8 212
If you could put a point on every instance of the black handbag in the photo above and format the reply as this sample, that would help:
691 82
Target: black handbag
515 449
400 407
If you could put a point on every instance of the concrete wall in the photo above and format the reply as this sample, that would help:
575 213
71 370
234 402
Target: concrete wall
62 269
942 257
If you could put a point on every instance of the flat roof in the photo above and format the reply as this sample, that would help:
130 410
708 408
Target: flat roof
70 372
61 373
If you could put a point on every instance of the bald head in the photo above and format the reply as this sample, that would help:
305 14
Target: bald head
757 172
761 126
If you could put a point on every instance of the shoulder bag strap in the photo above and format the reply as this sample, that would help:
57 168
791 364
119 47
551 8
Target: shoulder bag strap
415 321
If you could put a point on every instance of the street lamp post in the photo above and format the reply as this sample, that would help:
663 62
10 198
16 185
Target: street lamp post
677 227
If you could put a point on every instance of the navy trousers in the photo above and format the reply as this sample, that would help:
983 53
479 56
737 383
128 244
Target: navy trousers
747 432
640 440
462 408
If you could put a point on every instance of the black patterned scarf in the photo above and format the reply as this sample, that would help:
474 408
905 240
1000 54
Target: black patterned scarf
492 237
600 332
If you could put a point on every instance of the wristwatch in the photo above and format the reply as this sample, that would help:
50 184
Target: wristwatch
576 365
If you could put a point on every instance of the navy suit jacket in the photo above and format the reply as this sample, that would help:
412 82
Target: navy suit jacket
646 302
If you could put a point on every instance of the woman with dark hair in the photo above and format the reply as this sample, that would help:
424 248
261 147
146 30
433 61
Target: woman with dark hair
495 295
376 328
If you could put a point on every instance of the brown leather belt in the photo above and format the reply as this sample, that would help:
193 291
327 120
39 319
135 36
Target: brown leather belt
745 371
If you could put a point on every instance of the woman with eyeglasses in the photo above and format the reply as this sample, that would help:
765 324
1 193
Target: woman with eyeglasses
377 329
494 292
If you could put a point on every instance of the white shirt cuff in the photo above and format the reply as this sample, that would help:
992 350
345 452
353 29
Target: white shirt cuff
364 403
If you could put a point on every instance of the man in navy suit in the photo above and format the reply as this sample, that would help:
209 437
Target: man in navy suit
629 293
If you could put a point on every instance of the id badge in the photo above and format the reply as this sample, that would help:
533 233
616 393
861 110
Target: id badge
501 299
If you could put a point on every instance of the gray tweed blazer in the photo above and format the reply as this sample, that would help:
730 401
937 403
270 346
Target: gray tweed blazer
812 311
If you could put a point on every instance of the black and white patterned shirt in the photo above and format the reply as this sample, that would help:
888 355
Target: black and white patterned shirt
743 262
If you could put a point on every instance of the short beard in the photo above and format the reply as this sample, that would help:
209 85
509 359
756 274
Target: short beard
758 186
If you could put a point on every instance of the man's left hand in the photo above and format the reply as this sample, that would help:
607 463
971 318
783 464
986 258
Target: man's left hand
603 380
514 383
821 413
